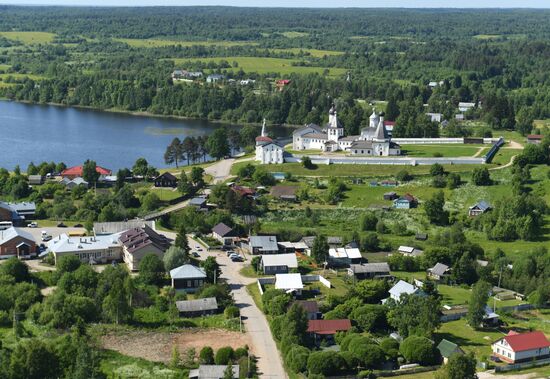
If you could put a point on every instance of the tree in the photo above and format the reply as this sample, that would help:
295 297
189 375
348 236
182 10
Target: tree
117 304
319 250
481 177
181 239
33 359
296 322
417 349
464 270
459 366
218 144
415 315
197 177
453 180
212 269
477 303
228 372
434 209
17 269
325 363
296 358
437 170
140 167
306 163
368 221
89 172
151 269
185 187
174 152
174 257
150 202
403 176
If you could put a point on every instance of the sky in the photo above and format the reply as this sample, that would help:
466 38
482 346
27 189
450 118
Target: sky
301 3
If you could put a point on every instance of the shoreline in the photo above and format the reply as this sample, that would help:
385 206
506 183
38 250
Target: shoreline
149 114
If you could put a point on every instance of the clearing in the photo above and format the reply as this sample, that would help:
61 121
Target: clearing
29 38
451 150
264 65
157 346
151 43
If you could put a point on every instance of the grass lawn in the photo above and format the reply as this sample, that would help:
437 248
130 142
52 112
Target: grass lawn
29 38
504 155
254 291
294 34
3 77
134 42
4 67
476 341
265 65
166 194
116 365
445 150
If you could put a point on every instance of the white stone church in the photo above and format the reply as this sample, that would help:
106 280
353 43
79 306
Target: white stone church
267 150
373 140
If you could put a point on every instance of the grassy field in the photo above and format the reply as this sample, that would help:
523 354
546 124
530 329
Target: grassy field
116 365
151 43
29 38
294 34
377 171
265 65
458 150
313 52
476 341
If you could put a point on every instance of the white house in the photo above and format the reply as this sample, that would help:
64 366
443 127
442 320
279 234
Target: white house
98 249
267 150
465 107
401 288
435 117
516 347
290 283
409 251
278 263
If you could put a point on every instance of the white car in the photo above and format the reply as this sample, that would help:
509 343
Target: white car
33 225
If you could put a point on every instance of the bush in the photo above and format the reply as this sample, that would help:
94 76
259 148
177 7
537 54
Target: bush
325 363
390 347
404 176
224 355
231 311
419 350
296 358
306 162
439 181
206 356
241 352
369 355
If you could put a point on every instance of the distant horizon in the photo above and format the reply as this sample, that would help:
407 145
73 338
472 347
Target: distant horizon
320 4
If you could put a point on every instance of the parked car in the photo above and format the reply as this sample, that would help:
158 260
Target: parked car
199 248
78 226
237 258
46 238
196 255
230 252
61 225
233 255
33 225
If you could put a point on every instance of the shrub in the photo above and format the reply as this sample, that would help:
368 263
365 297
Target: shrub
404 176
224 355
325 363
390 347
241 352
206 355
231 311
419 350
296 358
370 355
306 162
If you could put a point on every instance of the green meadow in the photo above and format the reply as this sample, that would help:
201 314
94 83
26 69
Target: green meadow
29 38
151 43
264 65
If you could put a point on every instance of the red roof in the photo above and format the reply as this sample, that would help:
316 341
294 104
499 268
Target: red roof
535 136
526 341
77 171
243 191
263 139
328 326
283 82
389 123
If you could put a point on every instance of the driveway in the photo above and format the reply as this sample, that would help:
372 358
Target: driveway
220 170
264 347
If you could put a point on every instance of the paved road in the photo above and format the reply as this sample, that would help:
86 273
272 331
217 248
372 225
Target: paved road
269 361
220 170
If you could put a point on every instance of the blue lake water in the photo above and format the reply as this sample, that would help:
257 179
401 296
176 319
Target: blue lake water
37 133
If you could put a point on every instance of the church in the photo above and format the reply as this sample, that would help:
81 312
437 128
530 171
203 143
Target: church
267 150
374 140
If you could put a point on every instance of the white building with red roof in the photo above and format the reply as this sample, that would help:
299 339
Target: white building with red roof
519 347
267 150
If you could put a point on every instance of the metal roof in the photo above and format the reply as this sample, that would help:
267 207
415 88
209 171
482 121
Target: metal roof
198 305
370 268
439 269
288 260
212 372
221 229
120 226
11 233
187 272
401 288
264 243
288 281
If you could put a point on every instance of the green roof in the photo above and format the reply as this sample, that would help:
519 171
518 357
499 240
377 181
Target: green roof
448 348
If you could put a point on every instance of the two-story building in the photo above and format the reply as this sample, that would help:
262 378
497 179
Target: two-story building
516 347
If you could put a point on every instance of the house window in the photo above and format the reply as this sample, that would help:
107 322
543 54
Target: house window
509 355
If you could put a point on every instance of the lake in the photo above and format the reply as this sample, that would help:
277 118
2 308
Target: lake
36 133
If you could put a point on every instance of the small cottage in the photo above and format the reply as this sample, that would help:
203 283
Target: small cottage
479 208
166 179
188 278
406 201
198 307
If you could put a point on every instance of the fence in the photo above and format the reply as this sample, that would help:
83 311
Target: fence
490 155
305 279
398 161
517 366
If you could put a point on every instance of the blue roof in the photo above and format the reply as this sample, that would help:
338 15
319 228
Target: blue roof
483 205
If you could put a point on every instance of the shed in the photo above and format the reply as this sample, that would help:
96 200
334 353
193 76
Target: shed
213 372
447 348
278 263
198 307
36 179
287 193
290 283
369 270
439 271
390 196
479 208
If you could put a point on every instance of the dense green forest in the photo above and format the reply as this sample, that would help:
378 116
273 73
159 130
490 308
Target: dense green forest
122 58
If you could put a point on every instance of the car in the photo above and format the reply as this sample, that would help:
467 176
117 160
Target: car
234 255
238 258
195 254
46 238
78 225
61 225
230 252
199 248
33 225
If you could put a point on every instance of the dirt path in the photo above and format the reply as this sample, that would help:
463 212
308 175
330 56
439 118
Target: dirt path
478 152
491 375
157 346
506 165
515 145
